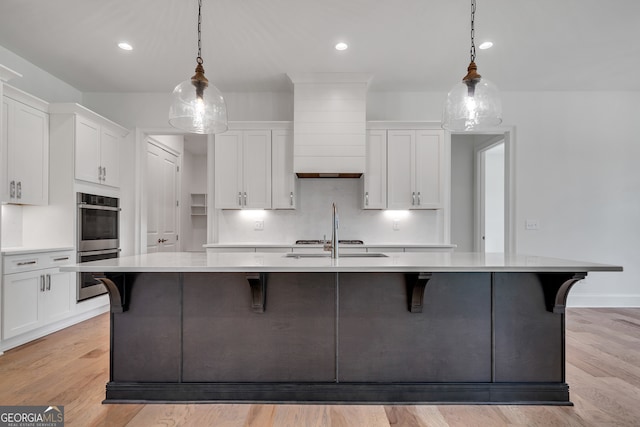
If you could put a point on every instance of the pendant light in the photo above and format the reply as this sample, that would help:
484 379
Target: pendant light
196 105
474 103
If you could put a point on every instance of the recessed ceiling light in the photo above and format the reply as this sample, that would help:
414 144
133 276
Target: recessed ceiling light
125 46
485 45
341 46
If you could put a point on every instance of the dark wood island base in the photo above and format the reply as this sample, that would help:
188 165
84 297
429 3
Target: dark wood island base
342 337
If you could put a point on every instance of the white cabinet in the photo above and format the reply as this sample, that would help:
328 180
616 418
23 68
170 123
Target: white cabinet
375 174
25 148
96 142
284 194
97 153
416 172
243 170
34 292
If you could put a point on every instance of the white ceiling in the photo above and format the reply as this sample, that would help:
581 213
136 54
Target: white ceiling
250 45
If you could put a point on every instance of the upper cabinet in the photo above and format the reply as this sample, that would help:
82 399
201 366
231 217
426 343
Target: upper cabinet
375 174
243 169
96 143
416 169
25 148
283 180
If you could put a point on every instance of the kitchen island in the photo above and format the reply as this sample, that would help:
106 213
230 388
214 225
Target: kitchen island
400 327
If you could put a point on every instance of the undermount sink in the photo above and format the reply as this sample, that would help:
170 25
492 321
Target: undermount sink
328 254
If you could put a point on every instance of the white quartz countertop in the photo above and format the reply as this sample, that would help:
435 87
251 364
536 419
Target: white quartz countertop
278 262
23 250
313 245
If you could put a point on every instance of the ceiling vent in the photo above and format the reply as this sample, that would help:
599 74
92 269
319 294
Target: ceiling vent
329 124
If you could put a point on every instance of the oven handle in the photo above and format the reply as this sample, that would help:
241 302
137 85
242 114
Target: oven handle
104 252
101 208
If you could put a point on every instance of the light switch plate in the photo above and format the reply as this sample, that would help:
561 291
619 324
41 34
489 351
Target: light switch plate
396 225
532 224
258 225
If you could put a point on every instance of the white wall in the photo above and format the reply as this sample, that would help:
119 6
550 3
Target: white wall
194 180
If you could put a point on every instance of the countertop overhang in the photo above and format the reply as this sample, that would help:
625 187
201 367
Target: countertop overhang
394 262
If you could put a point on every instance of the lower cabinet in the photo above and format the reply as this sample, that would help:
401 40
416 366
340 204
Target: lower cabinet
35 298
35 293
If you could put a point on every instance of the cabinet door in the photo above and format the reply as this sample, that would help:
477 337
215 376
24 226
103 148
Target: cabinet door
25 153
21 303
58 295
283 182
228 170
375 174
257 169
110 157
29 154
429 167
400 178
4 156
87 150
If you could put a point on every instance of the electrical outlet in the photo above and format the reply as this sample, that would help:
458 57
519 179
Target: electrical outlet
396 225
258 225
532 224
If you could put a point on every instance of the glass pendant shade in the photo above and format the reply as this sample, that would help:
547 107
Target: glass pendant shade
198 108
472 105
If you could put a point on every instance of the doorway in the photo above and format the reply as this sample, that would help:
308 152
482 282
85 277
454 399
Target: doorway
482 182
162 198
489 212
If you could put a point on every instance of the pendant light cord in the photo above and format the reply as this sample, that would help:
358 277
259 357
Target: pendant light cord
473 17
199 59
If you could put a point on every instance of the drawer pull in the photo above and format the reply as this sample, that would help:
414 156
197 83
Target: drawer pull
27 262
61 259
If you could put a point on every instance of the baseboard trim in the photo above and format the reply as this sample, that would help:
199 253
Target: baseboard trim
343 393
576 301
35 334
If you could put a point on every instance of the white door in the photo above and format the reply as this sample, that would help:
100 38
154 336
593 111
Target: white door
492 218
162 200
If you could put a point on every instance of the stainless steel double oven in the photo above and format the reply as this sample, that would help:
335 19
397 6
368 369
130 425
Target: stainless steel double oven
98 238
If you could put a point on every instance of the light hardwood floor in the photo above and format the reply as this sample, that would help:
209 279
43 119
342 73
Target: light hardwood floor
70 368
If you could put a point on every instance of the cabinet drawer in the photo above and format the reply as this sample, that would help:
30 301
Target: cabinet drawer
36 261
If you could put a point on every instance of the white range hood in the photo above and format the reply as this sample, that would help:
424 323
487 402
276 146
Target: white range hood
329 124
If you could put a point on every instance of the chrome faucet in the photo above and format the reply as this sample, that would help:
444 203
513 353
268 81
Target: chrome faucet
333 246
